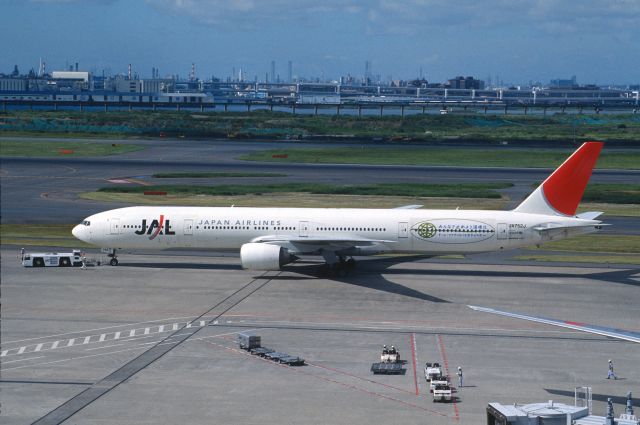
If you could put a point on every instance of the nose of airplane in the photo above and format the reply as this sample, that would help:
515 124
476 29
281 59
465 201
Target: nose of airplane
79 232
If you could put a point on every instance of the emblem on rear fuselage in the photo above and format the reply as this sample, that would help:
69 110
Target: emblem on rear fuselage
426 230
452 231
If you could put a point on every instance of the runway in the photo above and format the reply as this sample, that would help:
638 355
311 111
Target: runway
154 340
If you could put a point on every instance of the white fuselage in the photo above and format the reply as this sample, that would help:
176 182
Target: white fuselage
396 230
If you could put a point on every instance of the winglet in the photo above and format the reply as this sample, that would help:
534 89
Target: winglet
562 191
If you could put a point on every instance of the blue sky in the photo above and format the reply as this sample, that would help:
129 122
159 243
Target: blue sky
519 40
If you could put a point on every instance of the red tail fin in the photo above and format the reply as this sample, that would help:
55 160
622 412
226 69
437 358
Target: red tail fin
562 191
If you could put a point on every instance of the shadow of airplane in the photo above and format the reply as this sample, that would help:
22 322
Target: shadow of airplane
597 397
369 274
184 266
625 276
370 278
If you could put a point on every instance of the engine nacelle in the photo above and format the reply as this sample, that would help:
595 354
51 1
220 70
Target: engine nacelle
263 256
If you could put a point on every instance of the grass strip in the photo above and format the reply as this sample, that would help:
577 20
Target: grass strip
613 193
58 235
67 148
616 210
466 190
463 157
473 126
206 175
624 244
296 200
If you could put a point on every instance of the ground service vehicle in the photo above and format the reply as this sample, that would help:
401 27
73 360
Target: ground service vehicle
438 380
249 342
442 392
52 259
431 370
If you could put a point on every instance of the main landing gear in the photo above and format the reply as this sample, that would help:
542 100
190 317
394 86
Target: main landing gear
338 265
114 258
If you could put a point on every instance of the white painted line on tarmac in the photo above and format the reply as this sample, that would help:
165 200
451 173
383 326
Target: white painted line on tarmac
4 353
103 347
202 323
55 345
140 337
146 331
21 350
188 325
71 342
132 333
72 358
116 335
161 328
175 327
22 360
102 337
38 348
86 339
221 335
166 319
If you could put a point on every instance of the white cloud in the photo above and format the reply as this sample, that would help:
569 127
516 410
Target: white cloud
414 16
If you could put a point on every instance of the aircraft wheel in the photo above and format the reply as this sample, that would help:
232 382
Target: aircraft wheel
114 262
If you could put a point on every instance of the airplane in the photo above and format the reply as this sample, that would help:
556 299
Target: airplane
584 327
269 238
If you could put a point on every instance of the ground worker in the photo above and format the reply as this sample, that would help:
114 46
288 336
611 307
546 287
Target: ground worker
610 374
384 350
459 373
21 254
84 261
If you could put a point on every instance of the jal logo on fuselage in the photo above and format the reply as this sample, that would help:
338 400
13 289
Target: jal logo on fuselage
155 228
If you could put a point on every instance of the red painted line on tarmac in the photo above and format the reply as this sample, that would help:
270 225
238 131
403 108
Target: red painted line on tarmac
358 377
323 378
413 358
443 352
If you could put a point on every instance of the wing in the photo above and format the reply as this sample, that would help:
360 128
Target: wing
315 244
599 330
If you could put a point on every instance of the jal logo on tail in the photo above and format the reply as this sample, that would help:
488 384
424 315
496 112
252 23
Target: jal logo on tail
155 228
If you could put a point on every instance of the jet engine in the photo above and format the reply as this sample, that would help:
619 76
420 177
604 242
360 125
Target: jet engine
263 256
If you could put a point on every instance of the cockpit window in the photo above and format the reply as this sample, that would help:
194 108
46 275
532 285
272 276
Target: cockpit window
86 223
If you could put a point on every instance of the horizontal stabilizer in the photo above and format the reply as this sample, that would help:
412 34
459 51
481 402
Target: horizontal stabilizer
555 226
591 215
408 207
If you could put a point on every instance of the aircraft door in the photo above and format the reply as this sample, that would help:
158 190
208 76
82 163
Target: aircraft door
114 226
403 230
502 231
304 229
188 227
